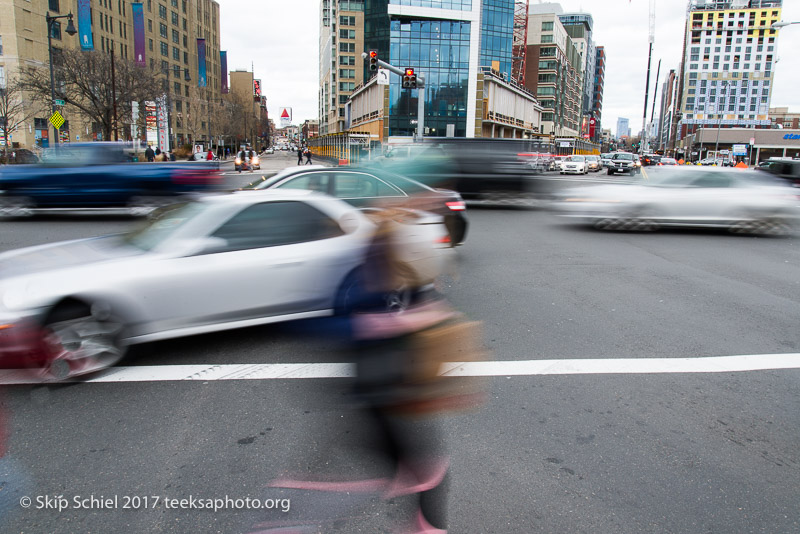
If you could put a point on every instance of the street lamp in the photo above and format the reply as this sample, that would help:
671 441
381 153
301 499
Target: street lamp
51 21
719 124
779 25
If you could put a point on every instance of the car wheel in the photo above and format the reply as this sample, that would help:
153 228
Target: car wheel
15 206
610 172
768 224
80 338
640 219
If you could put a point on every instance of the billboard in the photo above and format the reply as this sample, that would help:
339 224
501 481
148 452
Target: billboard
257 90
151 123
286 117
138 34
201 63
85 25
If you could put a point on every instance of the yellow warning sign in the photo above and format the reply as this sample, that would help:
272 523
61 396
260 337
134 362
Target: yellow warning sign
57 120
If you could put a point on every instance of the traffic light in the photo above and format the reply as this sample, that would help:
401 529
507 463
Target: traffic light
373 60
409 79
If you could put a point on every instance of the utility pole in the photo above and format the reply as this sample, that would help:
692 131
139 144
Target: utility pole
420 94
655 95
114 96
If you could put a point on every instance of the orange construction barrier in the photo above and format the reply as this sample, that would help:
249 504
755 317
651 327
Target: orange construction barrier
741 165
343 162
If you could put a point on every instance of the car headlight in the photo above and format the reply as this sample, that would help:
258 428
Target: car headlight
255 161
238 161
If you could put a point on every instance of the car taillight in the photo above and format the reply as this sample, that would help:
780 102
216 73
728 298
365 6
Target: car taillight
456 205
444 239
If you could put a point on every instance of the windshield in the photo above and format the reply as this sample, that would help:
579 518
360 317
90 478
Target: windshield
576 158
626 157
163 224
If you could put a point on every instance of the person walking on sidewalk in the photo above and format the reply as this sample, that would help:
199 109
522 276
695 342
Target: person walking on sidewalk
308 156
299 155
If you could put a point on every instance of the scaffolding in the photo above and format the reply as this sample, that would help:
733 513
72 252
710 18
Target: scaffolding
519 42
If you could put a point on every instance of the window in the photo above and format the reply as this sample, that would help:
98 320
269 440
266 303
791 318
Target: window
186 58
347 60
176 53
347 21
347 47
149 25
547 26
176 37
174 18
2 77
318 181
271 224
164 49
347 86
184 41
150 43
547 38
357 185
56 31
1 45
162 12
53 6
347 34
177 88
163 30
347 74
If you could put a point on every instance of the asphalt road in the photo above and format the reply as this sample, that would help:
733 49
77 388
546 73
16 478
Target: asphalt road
566 453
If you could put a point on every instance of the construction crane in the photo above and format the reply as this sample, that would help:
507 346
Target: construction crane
519 42
652 38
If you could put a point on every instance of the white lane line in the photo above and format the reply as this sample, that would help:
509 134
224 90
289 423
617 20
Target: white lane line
203 373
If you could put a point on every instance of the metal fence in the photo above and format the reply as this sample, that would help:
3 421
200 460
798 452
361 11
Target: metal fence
350 147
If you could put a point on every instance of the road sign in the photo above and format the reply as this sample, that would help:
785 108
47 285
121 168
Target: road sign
383 76
59 102
739 150
57 120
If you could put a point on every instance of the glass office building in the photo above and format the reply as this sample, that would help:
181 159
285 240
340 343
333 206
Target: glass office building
446 49
497 35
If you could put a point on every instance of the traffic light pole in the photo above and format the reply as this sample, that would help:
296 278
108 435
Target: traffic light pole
420 94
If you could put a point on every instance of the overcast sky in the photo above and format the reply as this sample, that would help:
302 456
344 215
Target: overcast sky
281 40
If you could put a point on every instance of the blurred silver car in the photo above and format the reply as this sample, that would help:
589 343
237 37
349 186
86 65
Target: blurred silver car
742 201
222 262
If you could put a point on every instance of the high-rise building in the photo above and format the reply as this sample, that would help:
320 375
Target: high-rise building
666 115
579 27
623 128
728 64
446 41
597 94
171 31
554 71
341 68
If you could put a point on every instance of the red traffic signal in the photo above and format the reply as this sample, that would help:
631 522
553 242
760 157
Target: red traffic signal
373 60
409 79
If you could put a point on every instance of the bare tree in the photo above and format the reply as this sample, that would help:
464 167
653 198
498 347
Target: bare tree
13 111
83 81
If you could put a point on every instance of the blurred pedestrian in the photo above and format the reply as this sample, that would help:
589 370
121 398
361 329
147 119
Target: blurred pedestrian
172 156
210 155
149 155
308 156
300 155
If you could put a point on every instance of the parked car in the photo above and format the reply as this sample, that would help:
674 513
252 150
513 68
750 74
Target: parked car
740 200
269 150
218 263
668 161
371 187
624 162
99 175
574 165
